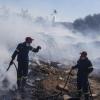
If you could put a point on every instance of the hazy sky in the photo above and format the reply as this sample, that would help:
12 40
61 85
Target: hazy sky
68 10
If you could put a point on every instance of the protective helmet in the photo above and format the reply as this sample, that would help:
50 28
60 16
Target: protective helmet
29 39
84 53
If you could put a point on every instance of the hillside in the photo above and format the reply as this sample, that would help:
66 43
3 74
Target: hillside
90 23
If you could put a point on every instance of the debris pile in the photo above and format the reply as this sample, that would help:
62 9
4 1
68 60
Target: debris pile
51 82
47 82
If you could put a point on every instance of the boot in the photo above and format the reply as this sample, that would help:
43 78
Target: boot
23 84
86 97
19 84
79 94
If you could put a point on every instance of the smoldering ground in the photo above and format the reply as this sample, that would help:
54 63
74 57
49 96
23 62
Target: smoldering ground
58 43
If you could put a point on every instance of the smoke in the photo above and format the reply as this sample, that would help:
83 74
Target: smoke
57 42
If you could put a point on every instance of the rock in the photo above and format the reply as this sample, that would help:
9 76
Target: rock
74 98
66 97
30 84
37 79
61 87
94 95
66 71
60 78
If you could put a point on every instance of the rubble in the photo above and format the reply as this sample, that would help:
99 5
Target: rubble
66 97
62 87
46 82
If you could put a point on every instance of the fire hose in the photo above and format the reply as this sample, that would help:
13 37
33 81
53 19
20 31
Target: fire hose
10 66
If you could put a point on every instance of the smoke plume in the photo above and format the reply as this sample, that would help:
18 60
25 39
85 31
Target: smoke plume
58 43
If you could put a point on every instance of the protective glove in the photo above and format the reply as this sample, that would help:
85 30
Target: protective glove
73 67
39 47
90 70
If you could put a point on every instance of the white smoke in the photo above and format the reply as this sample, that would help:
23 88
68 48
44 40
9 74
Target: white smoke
57 42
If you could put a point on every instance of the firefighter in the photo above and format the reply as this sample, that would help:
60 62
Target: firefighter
84 67
21 52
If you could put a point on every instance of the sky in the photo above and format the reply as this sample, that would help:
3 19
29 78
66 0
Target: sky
68 10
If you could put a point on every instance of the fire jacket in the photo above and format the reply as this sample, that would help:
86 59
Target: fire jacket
22 51
84 66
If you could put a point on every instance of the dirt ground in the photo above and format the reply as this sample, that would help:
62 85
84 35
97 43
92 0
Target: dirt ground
44 83
54 76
